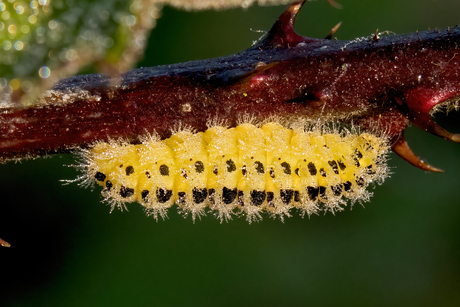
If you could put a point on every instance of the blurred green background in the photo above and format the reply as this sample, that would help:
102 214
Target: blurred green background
402 249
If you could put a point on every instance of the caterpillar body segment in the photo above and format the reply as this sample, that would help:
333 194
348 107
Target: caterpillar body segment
242 170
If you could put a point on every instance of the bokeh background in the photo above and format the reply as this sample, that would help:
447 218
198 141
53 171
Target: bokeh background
402 249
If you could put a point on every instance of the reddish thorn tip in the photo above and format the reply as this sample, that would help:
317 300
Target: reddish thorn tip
335 4
282 32
4 243
456 138
402 149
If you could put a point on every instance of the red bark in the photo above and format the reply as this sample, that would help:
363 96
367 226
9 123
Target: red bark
378 83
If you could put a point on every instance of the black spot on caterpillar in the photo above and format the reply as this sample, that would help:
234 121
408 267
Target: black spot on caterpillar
197 171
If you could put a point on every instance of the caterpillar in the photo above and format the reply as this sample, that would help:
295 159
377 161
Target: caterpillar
245 170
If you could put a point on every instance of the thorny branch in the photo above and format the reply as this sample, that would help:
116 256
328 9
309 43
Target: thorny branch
378 83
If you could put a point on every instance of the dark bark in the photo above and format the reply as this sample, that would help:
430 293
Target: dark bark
381 84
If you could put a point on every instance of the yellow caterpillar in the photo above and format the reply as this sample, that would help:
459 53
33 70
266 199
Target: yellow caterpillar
241 170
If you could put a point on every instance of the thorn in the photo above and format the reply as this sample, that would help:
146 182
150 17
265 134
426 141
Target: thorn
333 30
282 32
4 243
456 138
260 68
335 4
376 36
419 108
402 149
425 122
